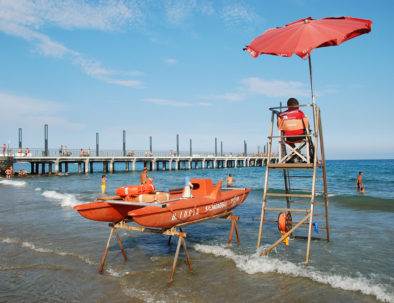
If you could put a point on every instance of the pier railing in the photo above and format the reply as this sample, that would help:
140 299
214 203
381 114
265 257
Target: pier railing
66 152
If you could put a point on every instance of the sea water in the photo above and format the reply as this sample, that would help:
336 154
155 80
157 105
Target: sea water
50 253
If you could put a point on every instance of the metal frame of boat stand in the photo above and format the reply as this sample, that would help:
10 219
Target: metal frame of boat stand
316 137
174 231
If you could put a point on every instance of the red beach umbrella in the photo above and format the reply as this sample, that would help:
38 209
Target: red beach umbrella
303 36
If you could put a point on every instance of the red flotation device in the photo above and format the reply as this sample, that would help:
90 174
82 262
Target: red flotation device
136 190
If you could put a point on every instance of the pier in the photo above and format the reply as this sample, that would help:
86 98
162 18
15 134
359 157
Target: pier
85 160
54 164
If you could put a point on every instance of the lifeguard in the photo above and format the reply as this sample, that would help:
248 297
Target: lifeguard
294 126
293 123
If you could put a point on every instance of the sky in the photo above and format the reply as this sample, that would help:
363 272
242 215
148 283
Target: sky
161 68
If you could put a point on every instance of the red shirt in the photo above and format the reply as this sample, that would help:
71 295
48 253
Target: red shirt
290 115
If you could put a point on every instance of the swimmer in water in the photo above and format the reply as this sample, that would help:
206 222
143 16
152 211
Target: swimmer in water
360 184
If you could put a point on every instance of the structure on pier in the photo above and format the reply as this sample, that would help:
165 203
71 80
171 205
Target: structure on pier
310 166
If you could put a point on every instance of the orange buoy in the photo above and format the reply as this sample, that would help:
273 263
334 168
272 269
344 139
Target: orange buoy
285 223
135 190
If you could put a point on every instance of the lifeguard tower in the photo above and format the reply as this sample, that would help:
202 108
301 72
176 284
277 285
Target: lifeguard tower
305 158
301 157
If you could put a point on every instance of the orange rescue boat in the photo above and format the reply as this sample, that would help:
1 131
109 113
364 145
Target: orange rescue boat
167 209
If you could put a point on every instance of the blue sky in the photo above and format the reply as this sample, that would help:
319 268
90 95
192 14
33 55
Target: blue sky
165 67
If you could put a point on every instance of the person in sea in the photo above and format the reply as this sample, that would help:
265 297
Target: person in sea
360 184
187 190
9 172
297 127
144 175
230 181
103 184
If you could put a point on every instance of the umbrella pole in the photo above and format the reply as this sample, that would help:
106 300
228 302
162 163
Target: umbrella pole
310 78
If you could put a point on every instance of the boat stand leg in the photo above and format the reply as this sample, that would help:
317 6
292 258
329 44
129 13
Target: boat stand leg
175 260
121 246
230 236
236 230
188 259
169 241
105 252
234 227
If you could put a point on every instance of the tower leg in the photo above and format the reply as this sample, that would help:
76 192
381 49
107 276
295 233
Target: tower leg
324 172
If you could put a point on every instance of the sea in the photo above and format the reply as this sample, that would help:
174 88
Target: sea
49 253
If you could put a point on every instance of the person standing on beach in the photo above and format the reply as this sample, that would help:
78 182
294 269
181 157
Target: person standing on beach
360 184
103 184
230 181
144 175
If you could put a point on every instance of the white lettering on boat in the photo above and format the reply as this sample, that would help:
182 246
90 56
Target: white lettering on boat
188 213
215 206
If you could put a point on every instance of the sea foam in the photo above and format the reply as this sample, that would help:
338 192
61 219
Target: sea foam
34 247
13 182
66 200
254 263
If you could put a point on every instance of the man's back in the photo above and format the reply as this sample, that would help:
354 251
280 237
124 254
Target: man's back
292 122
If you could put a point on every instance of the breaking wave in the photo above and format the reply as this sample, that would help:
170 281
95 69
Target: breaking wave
66 200
252 264
13 183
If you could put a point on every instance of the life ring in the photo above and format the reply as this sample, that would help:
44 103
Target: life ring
285 222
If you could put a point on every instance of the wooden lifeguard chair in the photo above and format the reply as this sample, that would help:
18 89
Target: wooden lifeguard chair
310 165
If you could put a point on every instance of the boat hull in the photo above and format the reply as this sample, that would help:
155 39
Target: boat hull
188 210
103 211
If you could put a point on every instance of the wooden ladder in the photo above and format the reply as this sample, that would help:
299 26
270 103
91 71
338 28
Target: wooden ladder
313 164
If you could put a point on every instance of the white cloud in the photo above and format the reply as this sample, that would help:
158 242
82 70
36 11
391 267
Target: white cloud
170 61
24 19
177 11
29 112
174 103
167 102
230 97
237 14
255 86
71 14
274 88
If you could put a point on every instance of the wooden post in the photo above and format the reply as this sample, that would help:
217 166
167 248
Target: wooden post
105 252
234 227
111 166
121 246
86 166
325 187
175 260
263 205
313 193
